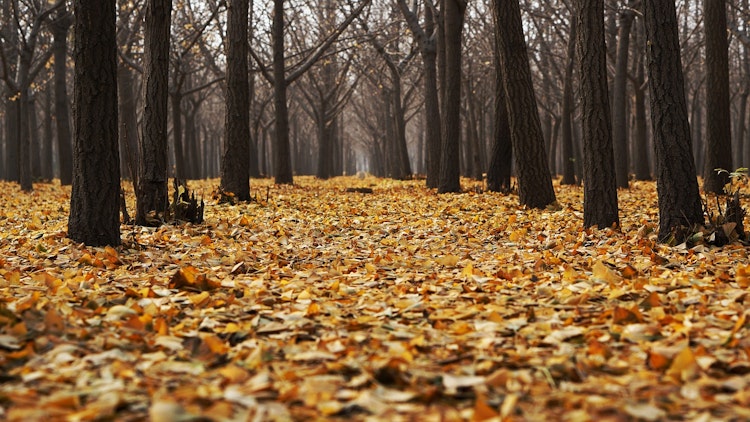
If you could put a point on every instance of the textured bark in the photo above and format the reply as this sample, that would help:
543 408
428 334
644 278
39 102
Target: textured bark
679 200
640 142
60 27
235 175
599 184
47 154
282 167
95 199
499 170
619 100
718 116
427 39
151 193
453 18
534 180
128 124
568 154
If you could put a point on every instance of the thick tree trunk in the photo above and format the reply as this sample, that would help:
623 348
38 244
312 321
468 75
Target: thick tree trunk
95 199
431 104
718 116
534 181
619 100
151 193
60 27
453 20
679 200
599 180
235 174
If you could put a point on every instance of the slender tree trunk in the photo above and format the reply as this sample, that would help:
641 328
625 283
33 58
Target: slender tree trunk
599 179
35 147
568 154
282 160
47 136
498 172
534 181
151 193
60 27
642 168
453 20
679 200
718 116
619 100
128 124
95 199
431 104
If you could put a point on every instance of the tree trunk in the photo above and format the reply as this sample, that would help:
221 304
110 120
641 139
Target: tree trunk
534 181
568 154
453 20
95 199
718 123
431 105
35 147
599 180
235 175
642 168
151 193
619 100
128 124
47 136
498 172
282 160
60 27
679 200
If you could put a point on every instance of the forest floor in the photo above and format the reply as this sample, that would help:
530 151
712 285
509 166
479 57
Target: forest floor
313 303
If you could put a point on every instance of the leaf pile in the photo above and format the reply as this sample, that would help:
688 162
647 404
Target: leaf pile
318 303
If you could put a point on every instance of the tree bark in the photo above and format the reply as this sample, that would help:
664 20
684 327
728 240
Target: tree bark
95 199
534 180
599 180
60 27
718 116
619 99
499 170
235 175
453 20
151 193
642 168
568 154
679 200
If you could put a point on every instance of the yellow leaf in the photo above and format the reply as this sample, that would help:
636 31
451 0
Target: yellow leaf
684 366
447 260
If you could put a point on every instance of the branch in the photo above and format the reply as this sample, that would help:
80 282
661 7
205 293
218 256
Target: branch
304 65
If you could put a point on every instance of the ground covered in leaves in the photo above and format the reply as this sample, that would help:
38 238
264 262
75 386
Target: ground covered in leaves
317 303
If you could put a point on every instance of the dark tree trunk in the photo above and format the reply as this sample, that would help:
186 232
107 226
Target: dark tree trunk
47 135
599 180
568 154
235 175
498 172
128 124
35 147
95 199
151 193
282 160
679 200
718 116
453 20
24 124
175 98
642 168
534 181
619 100
60 27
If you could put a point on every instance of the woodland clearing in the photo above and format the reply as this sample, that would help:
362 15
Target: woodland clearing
315 303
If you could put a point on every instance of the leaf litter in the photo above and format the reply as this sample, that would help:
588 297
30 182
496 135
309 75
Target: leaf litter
321 302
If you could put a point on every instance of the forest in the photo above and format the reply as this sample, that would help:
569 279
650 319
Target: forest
374 209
